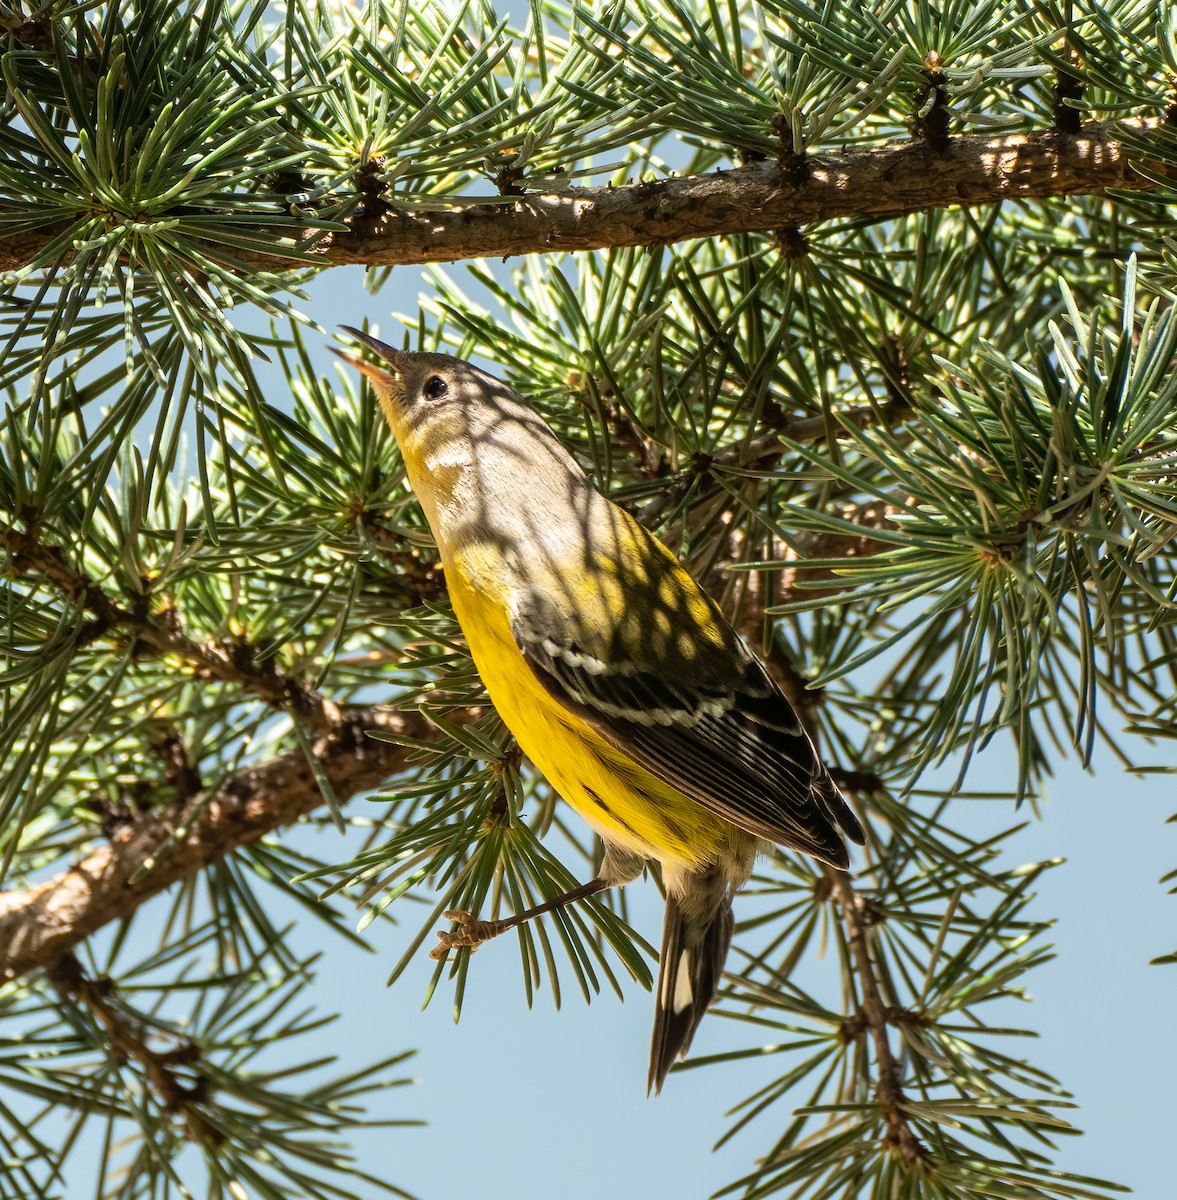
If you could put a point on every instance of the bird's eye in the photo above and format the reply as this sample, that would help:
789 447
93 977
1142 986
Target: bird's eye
435 387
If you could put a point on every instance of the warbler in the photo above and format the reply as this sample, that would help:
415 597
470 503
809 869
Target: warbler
618 676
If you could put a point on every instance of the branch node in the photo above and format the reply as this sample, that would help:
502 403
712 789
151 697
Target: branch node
1067 118
792 243
792 163
179 770
930 125
630 439
853 1028
34 34
372 185
509 177
701 464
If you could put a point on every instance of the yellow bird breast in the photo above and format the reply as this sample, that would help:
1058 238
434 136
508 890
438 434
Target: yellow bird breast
623 801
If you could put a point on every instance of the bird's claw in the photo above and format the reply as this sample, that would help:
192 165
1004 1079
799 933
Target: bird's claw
470 932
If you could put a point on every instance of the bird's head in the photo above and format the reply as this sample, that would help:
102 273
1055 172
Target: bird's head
427 398
454 423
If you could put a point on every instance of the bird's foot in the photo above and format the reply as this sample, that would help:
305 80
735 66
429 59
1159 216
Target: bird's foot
470 932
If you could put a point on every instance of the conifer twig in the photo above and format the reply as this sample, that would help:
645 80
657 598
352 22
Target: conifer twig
159 633
888 1083
177 1098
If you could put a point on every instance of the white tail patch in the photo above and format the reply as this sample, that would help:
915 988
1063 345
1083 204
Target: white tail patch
664 990
684 994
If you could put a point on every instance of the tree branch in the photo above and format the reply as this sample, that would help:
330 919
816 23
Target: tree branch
878 183
900 1136
229 663
176 1097
162 847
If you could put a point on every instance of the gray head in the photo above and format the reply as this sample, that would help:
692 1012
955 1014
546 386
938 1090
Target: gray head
457 426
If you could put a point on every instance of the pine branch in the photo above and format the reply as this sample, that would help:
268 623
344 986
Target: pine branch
161 847
177 1098
900 1135
159 633
874 1014
877 184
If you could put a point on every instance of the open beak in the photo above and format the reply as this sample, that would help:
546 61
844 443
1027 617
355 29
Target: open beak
378 374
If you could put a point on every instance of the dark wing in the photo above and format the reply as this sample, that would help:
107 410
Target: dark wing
715 726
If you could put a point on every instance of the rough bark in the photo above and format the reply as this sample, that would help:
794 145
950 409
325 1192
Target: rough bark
887 181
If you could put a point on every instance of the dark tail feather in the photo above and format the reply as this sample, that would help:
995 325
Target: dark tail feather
695 939
839 812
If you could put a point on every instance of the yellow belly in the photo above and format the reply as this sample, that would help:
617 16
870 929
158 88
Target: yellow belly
623 801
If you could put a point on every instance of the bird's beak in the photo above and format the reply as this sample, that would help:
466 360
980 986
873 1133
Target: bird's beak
384 375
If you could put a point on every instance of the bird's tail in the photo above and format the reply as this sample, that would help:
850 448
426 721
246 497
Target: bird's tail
696 935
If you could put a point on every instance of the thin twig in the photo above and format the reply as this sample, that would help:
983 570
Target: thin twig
888 1086
177 1098
874 1014
159 633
